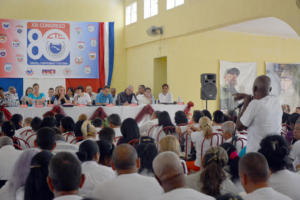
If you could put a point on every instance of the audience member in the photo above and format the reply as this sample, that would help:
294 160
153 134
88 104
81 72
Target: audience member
77 131
233 161
93 171
22 132
50 95
106 150
58 118
17 121
146 153
165 96
36 97
261 114
169 173
88 130
295 155
147 125
130 184
114 122
8 156
166 125
206 113
104 97
45 139
62 145
254 175
65 176
36 124
197 114
48 122
11 97
229 197
298 110
67 128
36 187
228 133
82 98
82 117
107 134
129 130
218 120
14 187
89 91
8 129
2 96
97 122
213 179
204 139
127 97
276 151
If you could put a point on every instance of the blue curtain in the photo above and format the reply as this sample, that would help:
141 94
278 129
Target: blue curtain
16 82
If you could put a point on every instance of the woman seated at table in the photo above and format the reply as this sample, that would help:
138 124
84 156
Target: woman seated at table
82 97
25 98
36 97
70 93
61 97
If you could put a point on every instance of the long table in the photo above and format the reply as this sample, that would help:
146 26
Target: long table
74 112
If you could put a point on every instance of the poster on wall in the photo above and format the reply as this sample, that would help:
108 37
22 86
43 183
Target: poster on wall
235 77
44 49
285 80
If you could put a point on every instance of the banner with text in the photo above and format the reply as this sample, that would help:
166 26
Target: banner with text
44 49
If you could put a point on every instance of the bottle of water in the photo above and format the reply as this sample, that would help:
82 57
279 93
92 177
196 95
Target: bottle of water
55 102
179 100
107 100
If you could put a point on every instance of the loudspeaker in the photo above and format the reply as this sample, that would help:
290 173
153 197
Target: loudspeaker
208 87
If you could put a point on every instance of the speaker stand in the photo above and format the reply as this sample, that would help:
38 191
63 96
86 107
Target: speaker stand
206 104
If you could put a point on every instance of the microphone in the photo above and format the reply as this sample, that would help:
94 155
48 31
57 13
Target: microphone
239 106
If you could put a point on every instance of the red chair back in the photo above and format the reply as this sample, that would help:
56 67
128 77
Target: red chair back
133 142
77 139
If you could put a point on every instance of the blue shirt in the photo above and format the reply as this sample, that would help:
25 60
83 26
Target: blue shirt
31 96
101 98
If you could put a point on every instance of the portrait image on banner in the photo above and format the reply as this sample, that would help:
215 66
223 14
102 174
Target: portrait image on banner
285 80
235 77
47 49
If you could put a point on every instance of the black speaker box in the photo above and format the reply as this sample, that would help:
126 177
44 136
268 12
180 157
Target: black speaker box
208 87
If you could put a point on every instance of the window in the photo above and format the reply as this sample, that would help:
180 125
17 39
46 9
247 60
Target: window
131 13
150 8
174 3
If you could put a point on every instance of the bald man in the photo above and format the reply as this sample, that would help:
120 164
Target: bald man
127 97
254 174
169 173
129 185
261 113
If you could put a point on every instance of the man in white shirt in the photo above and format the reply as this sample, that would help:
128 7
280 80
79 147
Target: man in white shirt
129 185
8 157
165 96
65 176
261 114
169 173
146 126
228 129
89 91
114 122
254 174
11 97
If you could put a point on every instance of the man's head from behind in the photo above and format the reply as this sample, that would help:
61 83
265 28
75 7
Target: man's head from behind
65 174
45 139
114 120
254 171
125 159
168 171
228 129
261 87
107 134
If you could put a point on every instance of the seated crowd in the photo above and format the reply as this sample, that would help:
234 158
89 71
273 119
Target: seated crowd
81 96
205 157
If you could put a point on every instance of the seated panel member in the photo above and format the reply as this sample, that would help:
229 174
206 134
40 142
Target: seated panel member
104 97
127 97
11 97
36 96
165 96
82 97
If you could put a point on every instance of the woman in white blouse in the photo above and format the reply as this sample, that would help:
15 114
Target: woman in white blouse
94 172
82 98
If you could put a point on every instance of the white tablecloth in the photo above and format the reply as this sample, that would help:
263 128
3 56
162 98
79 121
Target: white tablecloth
74 112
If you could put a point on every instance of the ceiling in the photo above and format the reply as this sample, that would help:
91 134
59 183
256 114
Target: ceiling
269 26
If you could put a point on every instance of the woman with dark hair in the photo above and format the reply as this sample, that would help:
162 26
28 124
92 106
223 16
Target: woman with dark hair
95 173
213 180
106 150
129 130
48 122
17 120
146 153
180 118
233 161
206 113
276 150
70 93
36 187
197 114
166 126
218 120
25 98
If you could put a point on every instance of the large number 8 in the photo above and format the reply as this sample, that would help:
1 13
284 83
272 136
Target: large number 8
35 47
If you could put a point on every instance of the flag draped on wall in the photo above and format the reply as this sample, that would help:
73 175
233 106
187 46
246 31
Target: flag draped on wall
106 63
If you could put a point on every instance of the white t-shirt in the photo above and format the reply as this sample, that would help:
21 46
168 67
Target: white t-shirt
8 157
68 197
217 129
295 153
62 146
266 193
262 117
94 175
185 193
286 182
202 145
22 132
128 187
168 98
146 126
143 100
85 99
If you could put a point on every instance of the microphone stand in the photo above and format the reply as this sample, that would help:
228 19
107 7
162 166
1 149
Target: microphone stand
234 136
